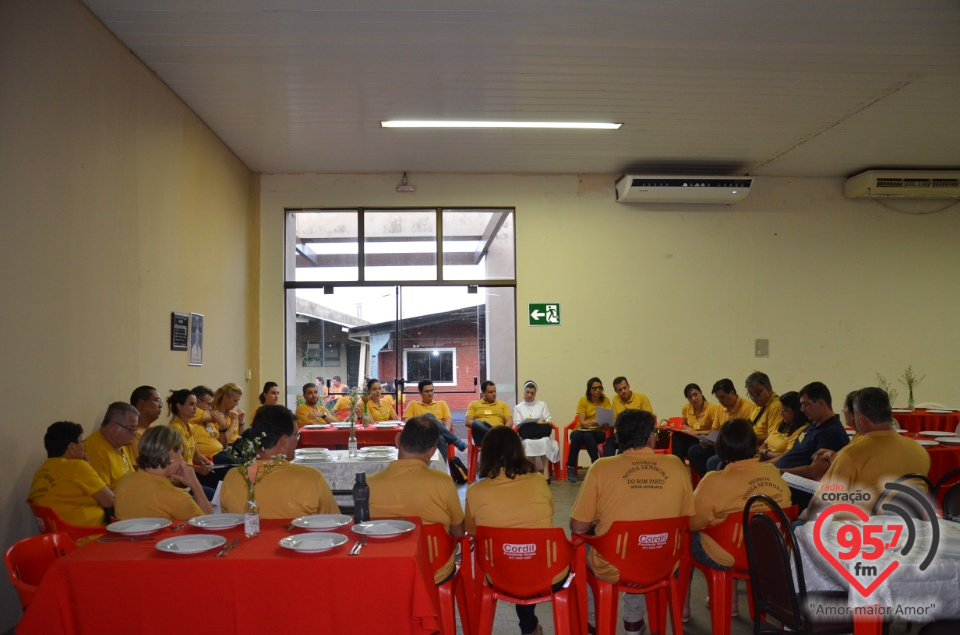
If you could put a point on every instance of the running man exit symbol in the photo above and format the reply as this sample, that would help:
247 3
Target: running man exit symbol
547 314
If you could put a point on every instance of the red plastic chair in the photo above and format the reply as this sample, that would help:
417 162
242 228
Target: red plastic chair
473 455
518 566
49 522
567 429
27 561
439 547
729 536
646 552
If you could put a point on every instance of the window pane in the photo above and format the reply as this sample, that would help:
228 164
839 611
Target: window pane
478 245
400 244
324 246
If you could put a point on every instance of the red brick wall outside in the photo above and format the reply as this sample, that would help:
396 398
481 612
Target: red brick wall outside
460 336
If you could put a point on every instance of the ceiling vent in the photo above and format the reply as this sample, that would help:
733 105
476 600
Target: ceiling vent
716 190
903 184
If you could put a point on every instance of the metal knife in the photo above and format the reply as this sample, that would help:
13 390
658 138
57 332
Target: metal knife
227 547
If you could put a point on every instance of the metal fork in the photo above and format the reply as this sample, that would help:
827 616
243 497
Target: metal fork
355 550
227 547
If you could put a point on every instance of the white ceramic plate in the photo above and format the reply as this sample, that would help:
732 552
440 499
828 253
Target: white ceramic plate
190 544
213 522
387 424
940 412
936 433
312 543
342 426
315 426
902 431
138 526
377 449
901 411
949 440
927 443
383 528
321 522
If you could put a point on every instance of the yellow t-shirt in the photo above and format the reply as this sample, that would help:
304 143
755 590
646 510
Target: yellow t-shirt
380 413
288 491
135 446
780 442
635 485
707 416
208 443
67 487
496 413
638 401
438 409
587 411
867 465
771 418
521 502
189 438
145 495
307 415
408 487
726 492
108 462
742 409
343 403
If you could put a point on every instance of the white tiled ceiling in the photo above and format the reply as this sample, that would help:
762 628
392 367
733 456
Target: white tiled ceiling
763 87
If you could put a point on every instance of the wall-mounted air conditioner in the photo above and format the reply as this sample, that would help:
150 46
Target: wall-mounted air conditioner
903 184
717 190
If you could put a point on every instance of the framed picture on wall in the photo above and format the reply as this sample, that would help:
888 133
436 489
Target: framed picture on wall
196 339
178 331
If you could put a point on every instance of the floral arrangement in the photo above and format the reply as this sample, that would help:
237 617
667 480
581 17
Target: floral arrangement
910 379
884 385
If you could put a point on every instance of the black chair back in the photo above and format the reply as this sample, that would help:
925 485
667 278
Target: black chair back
771 576
951 501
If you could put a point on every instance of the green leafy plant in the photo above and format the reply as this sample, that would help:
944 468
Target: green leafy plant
245 452
910 379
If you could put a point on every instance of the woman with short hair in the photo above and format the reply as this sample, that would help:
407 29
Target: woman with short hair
149 492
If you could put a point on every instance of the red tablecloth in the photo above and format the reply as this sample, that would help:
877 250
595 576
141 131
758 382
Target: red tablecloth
943 458
259 587
923 420
336 439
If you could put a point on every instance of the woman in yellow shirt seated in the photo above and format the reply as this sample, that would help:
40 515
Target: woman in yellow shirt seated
698 417
379 408
588 434
509 492
794 423
269 396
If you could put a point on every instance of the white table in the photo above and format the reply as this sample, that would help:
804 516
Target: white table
937 587
341 470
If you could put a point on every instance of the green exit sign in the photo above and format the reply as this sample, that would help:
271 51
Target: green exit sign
547 314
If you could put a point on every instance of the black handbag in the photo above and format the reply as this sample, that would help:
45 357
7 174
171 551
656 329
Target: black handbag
533 430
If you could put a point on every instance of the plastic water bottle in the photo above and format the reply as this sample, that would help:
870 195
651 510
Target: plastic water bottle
361 499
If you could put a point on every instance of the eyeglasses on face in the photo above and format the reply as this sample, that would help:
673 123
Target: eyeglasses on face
127 428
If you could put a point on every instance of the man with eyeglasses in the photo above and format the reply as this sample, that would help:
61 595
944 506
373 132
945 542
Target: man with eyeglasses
765 417
149 405
109 447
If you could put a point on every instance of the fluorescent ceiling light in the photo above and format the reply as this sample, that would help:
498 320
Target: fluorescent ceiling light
499 124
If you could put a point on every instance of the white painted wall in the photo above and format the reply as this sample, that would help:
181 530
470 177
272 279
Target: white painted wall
842 289
119 206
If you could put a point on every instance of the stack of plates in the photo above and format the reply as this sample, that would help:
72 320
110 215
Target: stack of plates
935 433
343 425
378 453
927 443
941 412
949 440
313 454
901 411
388 424
315 426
